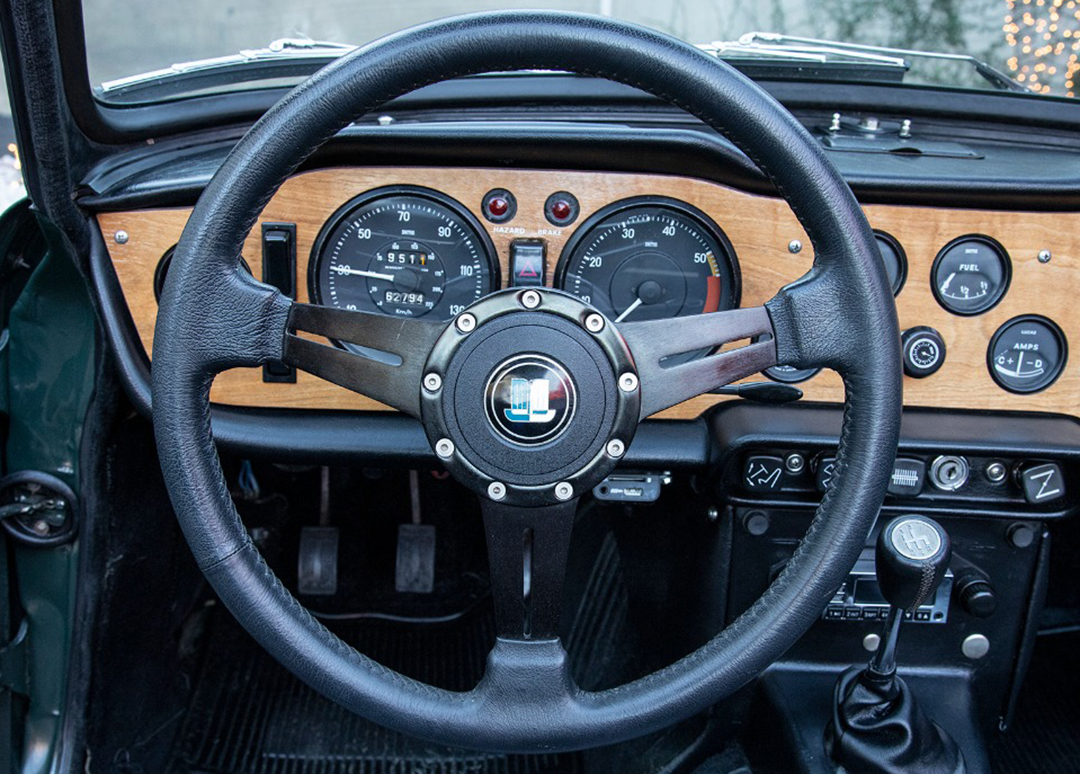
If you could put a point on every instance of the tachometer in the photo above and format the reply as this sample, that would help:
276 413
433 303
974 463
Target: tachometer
649 258
403 252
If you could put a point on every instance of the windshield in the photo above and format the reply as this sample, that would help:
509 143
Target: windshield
1035 43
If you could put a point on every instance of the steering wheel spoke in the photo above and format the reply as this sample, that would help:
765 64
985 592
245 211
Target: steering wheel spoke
655 341
391 374
527 550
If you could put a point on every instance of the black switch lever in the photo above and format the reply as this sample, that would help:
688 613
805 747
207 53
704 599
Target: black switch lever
912 558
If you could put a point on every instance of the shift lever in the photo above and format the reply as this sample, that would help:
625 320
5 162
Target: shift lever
912 558
877 723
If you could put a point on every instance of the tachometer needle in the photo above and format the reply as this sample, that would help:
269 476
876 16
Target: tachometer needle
629 309
361 273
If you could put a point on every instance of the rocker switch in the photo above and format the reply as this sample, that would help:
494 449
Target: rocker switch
279 270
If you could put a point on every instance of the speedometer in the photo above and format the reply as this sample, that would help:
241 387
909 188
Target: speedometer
649 258
403 252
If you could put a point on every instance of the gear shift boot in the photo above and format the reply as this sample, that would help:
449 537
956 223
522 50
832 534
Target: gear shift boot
877 725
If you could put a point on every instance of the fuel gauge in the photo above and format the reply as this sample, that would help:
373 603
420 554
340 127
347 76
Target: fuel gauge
970 274
1027 354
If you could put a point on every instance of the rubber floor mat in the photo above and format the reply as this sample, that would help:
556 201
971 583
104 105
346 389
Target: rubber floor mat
248 715
1045 734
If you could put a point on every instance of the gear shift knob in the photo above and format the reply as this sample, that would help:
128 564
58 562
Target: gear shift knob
912 557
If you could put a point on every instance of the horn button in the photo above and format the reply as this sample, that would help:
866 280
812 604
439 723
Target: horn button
529 398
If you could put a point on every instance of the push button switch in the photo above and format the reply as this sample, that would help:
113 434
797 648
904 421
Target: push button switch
1042 483
527 263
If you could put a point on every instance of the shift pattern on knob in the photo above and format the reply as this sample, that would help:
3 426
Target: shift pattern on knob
912 557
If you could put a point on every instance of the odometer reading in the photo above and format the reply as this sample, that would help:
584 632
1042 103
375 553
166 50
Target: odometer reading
402 252
648 259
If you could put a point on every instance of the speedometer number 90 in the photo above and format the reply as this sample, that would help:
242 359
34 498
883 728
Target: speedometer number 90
403 252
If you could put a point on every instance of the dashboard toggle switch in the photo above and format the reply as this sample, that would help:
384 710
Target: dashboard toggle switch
1042 483
908 476
763 473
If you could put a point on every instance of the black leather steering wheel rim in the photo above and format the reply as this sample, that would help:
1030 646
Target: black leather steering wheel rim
213 317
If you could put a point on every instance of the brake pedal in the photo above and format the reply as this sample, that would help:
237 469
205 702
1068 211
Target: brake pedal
317 565
415 558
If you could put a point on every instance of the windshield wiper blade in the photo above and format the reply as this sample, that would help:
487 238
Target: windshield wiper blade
765 44
301 56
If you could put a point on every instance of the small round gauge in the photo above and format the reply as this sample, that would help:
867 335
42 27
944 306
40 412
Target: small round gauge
402 252
970 274
1027 354
650 258
895 259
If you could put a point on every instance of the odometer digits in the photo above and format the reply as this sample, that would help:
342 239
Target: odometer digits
402 252
650 258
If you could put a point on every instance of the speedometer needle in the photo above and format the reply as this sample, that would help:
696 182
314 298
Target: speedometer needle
361 273
629 309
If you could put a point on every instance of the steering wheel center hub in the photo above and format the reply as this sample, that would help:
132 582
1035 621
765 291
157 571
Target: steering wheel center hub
516 413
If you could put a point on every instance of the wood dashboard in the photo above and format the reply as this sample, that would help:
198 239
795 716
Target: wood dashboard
759 229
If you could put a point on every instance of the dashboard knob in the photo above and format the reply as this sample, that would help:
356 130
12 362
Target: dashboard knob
978 598
924 351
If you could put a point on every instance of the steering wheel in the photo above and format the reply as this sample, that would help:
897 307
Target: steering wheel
581 383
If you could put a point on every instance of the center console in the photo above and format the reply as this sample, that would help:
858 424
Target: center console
987 479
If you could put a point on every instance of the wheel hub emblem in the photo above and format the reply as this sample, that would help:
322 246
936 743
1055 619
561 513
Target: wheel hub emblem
530 400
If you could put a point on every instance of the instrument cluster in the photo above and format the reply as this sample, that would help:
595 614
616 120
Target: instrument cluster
410 251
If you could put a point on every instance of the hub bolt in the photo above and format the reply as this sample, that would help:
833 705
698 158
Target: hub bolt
530 299
594 323
444 447
466 323
432 382
496 490
628 382
615 447
564 491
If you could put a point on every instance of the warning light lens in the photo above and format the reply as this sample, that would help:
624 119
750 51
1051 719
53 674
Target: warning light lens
561 210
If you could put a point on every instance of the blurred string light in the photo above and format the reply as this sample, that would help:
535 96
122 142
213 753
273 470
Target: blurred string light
1045 38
